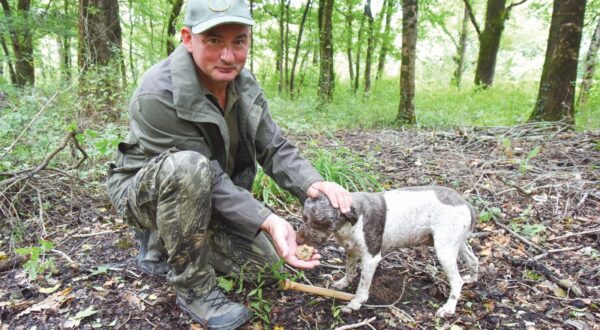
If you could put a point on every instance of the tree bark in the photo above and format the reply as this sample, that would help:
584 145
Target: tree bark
20 30
359 52
171 28
99 54
349 36
386 38
489 42
556 96
326 77
589 65
11 67
369 54
280 49
461 49
297 50
406 110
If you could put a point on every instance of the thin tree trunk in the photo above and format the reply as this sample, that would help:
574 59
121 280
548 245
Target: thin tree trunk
385 40
66 48
348 36
556 96
22 41
11 68
589 65
281 47
297 50
461 49
406 110
359 52
369 55
171 29
131 61
326 77
287 45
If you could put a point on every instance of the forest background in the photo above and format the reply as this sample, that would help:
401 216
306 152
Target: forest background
68 69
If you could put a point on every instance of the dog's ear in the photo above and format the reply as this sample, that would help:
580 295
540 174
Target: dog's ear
351 215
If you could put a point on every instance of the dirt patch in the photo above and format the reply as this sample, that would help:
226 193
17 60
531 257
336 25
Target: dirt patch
538 242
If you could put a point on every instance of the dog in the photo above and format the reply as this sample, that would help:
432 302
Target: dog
379 222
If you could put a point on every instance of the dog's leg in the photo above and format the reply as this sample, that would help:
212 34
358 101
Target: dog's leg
466 255
351 266
368 266
447 254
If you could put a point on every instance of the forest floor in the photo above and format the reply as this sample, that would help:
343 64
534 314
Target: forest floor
538 243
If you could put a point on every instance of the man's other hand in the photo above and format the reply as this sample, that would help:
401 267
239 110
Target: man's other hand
284 238
337 195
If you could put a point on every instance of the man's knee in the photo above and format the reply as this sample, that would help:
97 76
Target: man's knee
189 169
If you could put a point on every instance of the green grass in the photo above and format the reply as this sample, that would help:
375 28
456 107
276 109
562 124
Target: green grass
339 165
505 104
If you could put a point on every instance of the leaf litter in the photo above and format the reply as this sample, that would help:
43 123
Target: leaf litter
536 188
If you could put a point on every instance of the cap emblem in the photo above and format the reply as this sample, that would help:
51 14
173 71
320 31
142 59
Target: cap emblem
219 5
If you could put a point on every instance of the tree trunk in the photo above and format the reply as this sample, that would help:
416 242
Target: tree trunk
556 96
65 42
489 42
286 63
171 28
11 67
280 49
326 78
20 30
589 65
369 55
387 37
99 53
359 52
297 50
461 49
348 35
406 110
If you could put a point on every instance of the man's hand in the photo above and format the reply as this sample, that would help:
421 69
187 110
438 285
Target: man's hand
337 195
284 238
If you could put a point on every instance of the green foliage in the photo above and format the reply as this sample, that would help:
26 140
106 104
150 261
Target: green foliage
493 213
527 229
346 168
38 263
339 165
523 164
265 189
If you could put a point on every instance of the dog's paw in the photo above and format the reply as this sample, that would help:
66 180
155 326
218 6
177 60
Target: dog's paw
341 283
445 311
469 278
354 305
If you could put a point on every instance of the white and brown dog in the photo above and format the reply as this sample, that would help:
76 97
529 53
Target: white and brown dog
405 217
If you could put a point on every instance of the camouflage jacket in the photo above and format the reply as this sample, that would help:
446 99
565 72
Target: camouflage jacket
170 109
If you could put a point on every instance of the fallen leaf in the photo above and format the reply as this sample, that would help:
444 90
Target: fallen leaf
75 321
49 290
51 303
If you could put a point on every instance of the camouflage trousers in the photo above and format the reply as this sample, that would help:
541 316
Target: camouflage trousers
171 196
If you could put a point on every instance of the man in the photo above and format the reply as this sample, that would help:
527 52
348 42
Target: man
199 123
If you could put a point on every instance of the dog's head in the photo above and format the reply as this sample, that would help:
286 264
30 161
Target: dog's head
321 220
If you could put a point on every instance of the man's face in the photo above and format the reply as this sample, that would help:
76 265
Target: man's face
219 53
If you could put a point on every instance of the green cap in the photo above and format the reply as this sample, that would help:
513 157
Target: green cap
202 15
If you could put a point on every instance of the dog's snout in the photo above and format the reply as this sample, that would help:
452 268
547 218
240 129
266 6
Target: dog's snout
300 237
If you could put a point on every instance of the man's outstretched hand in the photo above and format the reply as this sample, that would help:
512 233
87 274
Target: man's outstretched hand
284 238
